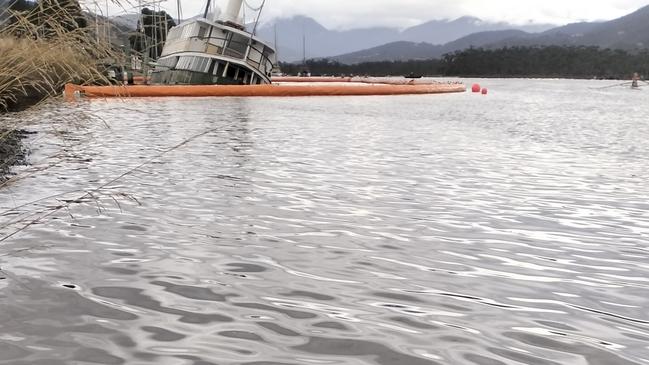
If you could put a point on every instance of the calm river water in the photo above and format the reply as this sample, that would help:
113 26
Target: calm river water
443 229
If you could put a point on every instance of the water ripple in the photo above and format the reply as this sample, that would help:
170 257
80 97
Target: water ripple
429 230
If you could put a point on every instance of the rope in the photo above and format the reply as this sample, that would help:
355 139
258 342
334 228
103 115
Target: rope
261 7
254 8
610 86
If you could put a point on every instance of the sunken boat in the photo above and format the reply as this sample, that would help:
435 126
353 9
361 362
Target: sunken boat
215 49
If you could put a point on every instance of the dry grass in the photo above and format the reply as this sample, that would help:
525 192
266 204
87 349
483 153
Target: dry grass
33 69
38 60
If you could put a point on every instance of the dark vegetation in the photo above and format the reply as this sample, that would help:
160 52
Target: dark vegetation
22 5
384 68
155 25
550 62
553 61
12 151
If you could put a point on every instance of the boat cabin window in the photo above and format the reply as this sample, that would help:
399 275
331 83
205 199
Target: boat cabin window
237 45
218 69
255 56
200 64
169 62
194 63
268 52
202 32
246 77
232 71
183 63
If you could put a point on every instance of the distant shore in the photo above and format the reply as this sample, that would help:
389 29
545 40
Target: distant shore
510 62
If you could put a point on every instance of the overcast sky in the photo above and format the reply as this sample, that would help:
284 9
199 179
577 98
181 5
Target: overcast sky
346 14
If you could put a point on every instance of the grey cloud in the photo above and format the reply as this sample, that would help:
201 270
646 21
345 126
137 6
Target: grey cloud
346 14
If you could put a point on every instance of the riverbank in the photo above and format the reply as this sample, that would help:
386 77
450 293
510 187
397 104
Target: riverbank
32 70
41 52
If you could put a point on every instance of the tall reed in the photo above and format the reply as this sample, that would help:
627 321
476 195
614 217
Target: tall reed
40 52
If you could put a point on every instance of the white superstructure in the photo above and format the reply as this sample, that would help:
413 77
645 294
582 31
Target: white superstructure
203 51
232 12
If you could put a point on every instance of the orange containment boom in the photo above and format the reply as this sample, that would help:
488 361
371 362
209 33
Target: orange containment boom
258 90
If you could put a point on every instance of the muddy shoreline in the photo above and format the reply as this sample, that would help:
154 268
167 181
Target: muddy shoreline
22 101
12 151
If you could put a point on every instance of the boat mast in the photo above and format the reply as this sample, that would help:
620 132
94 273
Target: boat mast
96 22
259 10
275 44
303 45
207 8
107 25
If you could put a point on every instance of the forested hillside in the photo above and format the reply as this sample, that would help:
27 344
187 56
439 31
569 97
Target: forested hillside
553 61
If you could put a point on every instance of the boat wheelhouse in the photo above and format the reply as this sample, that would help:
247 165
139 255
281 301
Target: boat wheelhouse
214 52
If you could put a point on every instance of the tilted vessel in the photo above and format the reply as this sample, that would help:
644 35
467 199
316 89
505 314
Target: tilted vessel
217 51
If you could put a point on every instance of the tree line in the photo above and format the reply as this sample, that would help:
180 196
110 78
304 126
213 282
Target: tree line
546 62
155 26
383 68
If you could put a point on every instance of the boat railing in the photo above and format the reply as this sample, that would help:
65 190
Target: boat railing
228 47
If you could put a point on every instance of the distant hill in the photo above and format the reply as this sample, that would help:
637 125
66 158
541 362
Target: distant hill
320 41
442 32
323 42
128 21
403 51
485 38
628 33
395 51
571 30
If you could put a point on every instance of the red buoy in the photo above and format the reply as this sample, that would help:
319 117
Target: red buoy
485 91
476 88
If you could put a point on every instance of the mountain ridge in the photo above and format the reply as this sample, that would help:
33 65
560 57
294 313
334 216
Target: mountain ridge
322 42
629 33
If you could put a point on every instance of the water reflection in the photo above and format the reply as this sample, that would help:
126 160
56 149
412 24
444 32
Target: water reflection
333 230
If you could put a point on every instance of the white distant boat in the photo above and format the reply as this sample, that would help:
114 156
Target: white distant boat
218 51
